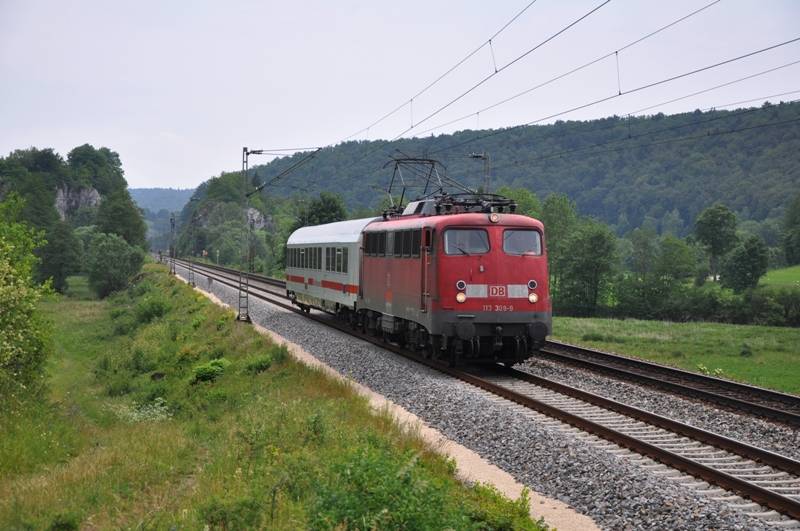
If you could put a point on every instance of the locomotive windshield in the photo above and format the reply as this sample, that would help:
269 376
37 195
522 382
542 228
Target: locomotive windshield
466 241
519 241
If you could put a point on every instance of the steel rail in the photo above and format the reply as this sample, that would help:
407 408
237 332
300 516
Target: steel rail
761 495
774 405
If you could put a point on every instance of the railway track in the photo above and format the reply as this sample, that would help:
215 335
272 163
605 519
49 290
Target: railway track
757 481
766 403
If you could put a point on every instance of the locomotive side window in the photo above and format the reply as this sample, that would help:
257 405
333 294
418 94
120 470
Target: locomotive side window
466 241
522 241
416 236
381 244
406 243
398 244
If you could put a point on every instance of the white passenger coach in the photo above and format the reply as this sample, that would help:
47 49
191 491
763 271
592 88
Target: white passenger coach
322 264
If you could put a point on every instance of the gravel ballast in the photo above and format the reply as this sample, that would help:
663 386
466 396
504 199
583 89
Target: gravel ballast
612 490
771 436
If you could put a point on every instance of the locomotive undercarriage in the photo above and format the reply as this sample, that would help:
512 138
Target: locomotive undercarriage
510 343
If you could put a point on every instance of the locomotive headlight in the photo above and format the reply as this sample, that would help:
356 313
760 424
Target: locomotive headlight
533 298
461 285
493 217
532 284
461 296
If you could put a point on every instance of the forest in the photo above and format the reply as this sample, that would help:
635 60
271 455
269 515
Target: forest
625 171
80 211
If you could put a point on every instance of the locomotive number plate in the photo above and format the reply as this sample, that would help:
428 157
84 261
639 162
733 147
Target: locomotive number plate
498 308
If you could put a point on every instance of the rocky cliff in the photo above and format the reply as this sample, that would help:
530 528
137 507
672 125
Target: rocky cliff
69 200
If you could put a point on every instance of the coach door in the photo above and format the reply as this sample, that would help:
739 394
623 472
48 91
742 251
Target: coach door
428 269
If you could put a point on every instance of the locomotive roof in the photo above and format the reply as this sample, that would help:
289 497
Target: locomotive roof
443 220
339 232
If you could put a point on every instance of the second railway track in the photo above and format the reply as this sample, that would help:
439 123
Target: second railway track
767 479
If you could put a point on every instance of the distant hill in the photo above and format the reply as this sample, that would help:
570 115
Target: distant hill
659 169
155 199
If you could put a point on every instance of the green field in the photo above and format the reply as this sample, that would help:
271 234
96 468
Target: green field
788 277
760 355
165 413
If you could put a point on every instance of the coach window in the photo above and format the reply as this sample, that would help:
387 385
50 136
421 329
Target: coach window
327 258
466 241
319 258
397 246
338 260
522 241
344 260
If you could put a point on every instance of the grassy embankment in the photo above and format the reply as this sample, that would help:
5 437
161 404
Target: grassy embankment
166 413
759 355
788 277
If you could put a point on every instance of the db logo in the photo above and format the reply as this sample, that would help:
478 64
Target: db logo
497 291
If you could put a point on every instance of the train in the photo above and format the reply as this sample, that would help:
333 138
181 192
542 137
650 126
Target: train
459 278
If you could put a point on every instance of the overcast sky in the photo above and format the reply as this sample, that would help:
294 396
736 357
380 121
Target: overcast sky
177 88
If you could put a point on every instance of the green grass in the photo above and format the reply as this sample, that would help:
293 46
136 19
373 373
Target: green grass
788 277
164 412
759 355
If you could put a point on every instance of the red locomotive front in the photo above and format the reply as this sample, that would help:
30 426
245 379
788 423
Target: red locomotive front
464 285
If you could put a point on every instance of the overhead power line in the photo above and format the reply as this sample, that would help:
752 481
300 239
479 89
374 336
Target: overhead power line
618 95
485 79
430 85
573 71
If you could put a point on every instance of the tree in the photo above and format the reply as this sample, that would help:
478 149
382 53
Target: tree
791 232
715 228
645 246
527 202
327 209
60 256
99 168
23 334
119 215
745 265
587 267
675 260
560 219
112 263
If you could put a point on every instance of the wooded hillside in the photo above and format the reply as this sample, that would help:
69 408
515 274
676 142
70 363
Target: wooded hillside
622 171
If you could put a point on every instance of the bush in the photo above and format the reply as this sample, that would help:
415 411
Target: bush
258 364
208 372
112 263
24 340
151 308
232 514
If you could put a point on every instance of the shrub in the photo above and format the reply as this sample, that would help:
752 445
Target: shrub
258 364
65 522
23 335
746 351
243 513
151 308
208 372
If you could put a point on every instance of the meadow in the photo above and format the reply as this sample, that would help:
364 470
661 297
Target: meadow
760 355
163 412
788 277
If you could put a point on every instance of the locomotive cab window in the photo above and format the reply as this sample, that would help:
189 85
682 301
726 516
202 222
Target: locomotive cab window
522 242
466 241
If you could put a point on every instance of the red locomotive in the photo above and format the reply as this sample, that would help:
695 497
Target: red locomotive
458 277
